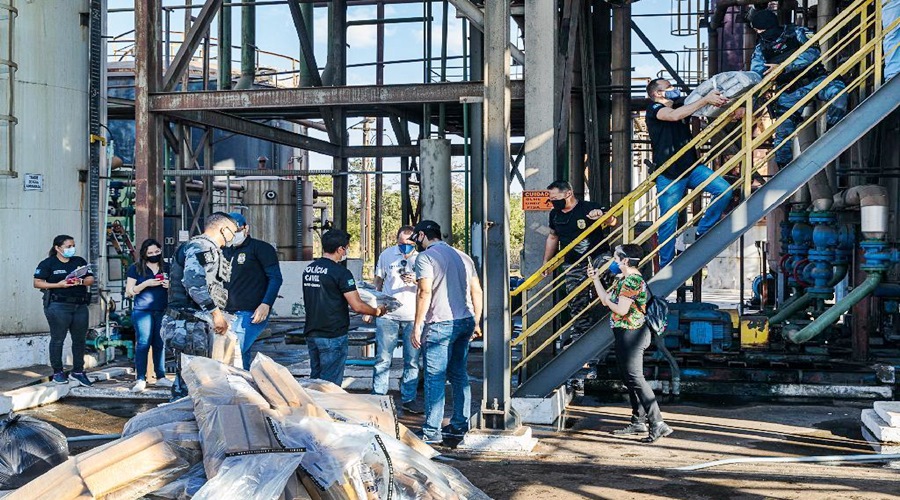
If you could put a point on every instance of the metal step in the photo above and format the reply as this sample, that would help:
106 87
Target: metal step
599 339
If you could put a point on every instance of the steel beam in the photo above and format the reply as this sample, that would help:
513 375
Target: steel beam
621 110
568 29
475 15
258 130
148 178
659 57
182 58
496 411
307 50
339 96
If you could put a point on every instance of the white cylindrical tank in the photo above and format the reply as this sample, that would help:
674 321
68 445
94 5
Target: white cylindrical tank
51 141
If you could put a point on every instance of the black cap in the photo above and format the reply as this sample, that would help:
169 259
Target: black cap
427 226
764 19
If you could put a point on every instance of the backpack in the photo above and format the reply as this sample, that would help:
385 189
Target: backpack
656 313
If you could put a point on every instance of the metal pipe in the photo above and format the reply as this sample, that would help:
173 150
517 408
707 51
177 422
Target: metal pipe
248 46
833 314
801 302
473 13
93 437
780 460
873 202
621 112
224 48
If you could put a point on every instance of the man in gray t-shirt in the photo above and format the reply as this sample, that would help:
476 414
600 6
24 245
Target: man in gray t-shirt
448 310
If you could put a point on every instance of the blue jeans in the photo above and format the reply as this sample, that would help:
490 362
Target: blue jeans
388 332
675 193
327 357
146 335
890 11
446 351
786 100
247 332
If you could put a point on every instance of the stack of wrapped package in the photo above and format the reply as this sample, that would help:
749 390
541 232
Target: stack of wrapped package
258 435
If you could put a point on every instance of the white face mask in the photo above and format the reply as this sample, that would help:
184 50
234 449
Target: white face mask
239 238
344 257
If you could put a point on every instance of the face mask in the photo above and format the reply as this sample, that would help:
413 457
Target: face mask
419 246
344 257
228 243
673 94
558 204
239 238
154 259
68 252
406 248
614 268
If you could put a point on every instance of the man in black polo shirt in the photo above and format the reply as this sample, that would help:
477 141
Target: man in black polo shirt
328 288
255 281
669 132
568 219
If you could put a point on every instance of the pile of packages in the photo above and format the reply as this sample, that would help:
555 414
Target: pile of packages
257 435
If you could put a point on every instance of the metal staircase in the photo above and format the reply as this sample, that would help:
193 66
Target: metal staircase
857 31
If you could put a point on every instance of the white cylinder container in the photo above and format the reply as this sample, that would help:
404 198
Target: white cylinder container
874 221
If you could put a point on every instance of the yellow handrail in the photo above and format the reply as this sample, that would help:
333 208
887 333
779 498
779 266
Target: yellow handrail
856 31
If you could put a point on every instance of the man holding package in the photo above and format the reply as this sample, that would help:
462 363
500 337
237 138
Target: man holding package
197 275
395 276
328 288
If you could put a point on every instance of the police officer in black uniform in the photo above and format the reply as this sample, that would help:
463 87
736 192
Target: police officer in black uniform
569 218
64 278
197 294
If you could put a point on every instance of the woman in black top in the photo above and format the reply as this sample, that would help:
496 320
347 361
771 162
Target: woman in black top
148 286
64 278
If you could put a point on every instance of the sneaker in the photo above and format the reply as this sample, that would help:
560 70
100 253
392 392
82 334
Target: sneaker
657 431
632 429
454 432
80 378
413 408
60 378
428 439
163 382
139 386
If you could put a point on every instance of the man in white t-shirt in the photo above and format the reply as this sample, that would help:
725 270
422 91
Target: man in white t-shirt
395 276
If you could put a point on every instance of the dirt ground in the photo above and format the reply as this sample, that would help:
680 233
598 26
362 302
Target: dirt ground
586 461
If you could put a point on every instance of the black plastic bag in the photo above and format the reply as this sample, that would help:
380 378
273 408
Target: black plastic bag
28 448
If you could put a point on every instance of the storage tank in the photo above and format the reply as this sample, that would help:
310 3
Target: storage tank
51 92
271 212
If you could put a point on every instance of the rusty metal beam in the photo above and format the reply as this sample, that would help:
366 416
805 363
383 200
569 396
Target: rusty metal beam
306 46
148 179
198 30
358 95
223 121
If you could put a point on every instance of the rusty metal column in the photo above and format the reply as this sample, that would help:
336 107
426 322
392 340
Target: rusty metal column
496 411
621 102
337 63
148 180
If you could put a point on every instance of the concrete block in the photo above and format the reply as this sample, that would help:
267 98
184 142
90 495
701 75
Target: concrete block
119 392
544 411
32 396
889 411
110 373
882 448
479 441
879 428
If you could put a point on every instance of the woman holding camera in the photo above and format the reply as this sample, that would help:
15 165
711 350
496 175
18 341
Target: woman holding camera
148 284
627 302
64 279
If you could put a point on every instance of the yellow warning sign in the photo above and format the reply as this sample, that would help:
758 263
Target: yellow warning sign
536 201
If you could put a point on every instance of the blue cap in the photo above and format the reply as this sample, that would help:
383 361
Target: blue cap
238 219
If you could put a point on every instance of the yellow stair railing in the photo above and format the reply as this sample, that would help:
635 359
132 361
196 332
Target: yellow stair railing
853 52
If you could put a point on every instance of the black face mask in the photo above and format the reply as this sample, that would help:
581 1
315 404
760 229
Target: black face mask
154 259
771 34
419 246
558 204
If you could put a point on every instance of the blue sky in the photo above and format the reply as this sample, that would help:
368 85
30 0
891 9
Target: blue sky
276 34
